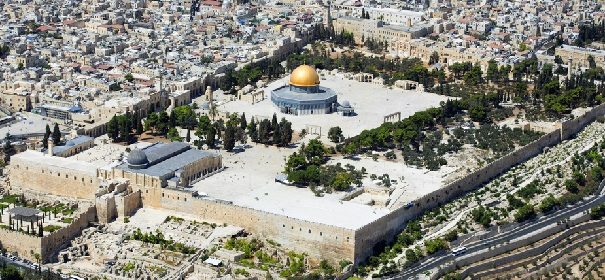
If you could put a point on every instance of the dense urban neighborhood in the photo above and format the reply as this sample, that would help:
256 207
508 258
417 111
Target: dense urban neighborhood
302 139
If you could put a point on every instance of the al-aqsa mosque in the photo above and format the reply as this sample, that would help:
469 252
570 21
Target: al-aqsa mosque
304 96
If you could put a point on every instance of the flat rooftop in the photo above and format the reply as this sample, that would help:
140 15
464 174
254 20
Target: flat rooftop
249 181
40 158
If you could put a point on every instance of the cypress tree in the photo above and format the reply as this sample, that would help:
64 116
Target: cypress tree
46 136
210 136
285 130
229 138
253 131
242 121
56 136
276 135
112 128
274 122
264 131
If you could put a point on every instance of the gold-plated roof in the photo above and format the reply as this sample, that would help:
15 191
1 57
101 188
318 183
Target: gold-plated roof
304 76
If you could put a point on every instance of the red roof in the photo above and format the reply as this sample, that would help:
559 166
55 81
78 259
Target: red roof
45 28
87 68
105 66
212 3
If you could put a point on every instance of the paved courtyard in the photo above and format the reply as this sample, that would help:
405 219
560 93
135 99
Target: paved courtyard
371 102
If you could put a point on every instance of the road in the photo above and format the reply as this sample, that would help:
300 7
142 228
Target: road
524 229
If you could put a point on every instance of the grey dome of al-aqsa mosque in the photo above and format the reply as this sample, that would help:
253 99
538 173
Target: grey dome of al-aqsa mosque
137 159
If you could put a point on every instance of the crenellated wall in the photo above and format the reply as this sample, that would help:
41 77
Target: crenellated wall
571 127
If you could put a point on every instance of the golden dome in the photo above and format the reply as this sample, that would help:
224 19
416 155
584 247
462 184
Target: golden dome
304 76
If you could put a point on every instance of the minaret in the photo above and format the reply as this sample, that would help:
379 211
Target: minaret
209 96
329 14
50 148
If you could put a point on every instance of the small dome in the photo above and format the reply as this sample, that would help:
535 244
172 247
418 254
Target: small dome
345 104
304 76
137 157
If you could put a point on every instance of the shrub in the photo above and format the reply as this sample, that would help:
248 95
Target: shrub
530 190
411 256
597 212
525 213
482 216
548 204
451 235
434 245
571 186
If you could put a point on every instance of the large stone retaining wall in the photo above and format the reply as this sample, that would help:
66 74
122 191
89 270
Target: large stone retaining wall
49 179
23 244
319 241
128 204
571 127
56 241
47 247
384 230
394 222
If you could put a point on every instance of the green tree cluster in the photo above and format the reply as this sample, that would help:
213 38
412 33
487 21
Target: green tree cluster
159 238
122 128
271 132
